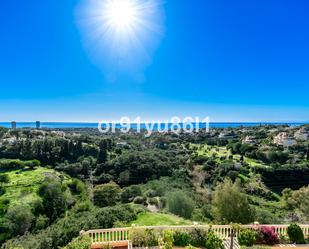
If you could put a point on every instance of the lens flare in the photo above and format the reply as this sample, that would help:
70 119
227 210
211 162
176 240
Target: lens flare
124 33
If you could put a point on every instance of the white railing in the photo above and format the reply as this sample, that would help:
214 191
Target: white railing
224 231
108 235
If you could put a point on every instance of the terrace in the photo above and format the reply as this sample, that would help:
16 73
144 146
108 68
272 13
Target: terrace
120 237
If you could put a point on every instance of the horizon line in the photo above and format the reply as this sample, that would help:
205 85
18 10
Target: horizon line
154 121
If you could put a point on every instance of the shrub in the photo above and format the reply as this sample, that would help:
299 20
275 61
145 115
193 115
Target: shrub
198 237
247 237
190 247
284 239
32 163
266 217
151 238
268 236
151 193
143 237
14 247
139 200
79 243
4 178
153 201
181 238
2 190
11 164
128 194
167 240
85 205
61 232
77 187
213 241
137 236
163 202
41 222
295 234
4 204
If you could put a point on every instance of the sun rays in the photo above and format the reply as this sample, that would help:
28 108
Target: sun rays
125 32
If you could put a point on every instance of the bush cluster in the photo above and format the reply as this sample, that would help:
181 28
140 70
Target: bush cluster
144 237
198 238
247 237
213 241
167 240
64 230
267 235
13 164
295 234
79 243
182 238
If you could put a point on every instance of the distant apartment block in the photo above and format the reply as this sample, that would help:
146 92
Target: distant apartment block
13 125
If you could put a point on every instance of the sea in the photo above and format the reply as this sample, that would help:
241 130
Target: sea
156 126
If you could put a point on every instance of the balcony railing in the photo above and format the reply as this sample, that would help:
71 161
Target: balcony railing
102 236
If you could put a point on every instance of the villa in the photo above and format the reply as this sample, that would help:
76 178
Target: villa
302 134
226 135
284 139
249 140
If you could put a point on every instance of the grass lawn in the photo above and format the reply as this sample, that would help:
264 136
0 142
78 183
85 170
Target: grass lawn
159 219
221 151
24 184
206 150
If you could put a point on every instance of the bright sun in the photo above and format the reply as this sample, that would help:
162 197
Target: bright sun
122 33
121 13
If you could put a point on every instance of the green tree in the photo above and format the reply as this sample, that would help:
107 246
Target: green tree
18 219
54 201
2 131
102 156
33 164
124 177
106 195
297 201
128 194
4 178
180 204
230 204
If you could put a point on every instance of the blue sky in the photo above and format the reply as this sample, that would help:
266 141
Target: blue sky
230 60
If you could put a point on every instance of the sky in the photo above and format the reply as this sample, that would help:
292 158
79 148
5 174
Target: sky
232 61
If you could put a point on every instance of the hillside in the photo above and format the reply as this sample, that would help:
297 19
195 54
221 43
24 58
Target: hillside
55 183
32 198
23 185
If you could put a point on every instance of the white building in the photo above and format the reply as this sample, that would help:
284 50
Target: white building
302 134
249 140
284 139
226 134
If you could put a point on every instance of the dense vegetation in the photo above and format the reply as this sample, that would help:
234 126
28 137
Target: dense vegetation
54 183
